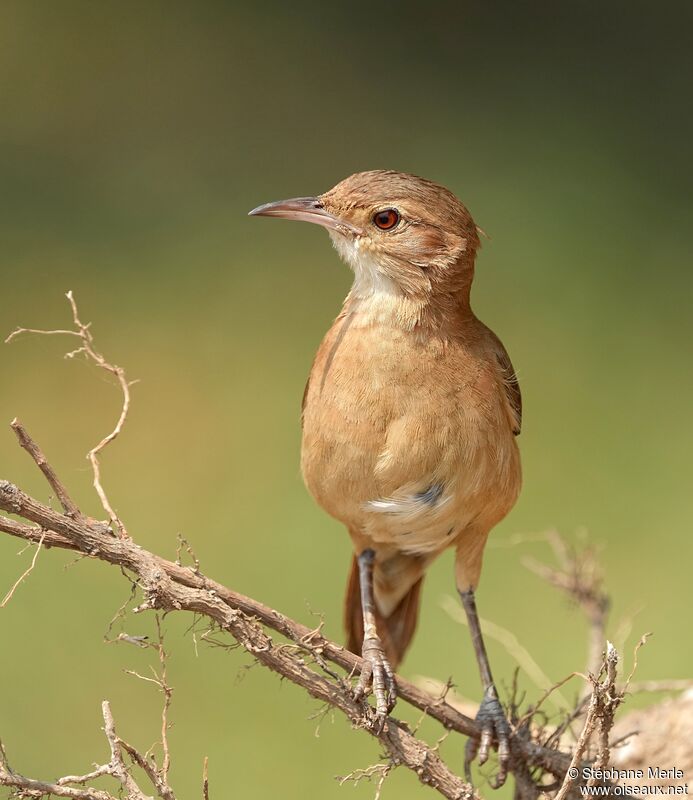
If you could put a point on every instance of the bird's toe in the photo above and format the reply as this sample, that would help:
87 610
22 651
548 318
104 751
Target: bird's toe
376 673
495 732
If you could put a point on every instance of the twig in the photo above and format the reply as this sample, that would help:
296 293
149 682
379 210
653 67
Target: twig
205 779
160 680
118 768
376 772
643 640
184 544
168 693
83 332
536 706
41 461
150 769
602 707
115 768
26 572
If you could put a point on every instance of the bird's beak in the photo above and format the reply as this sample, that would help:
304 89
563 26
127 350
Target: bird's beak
305 209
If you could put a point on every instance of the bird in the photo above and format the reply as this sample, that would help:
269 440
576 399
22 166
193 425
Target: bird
409 420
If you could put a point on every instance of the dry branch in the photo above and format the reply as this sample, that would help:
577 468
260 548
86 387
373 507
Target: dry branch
115 768
168 586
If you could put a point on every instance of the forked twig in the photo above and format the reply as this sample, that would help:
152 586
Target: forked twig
83 332
115 767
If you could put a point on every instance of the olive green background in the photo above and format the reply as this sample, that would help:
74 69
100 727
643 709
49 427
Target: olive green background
134 137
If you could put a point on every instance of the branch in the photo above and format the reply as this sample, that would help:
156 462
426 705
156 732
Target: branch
171 587
115 768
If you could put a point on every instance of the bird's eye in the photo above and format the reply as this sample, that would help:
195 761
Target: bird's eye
386 219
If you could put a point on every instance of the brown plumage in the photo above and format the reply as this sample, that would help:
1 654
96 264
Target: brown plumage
410 413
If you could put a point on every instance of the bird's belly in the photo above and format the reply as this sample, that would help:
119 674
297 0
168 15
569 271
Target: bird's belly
459 483
477 495
422 517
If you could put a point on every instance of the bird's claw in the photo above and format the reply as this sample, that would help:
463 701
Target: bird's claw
377 672
495 731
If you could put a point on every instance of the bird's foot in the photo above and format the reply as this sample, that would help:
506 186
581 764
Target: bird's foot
377 672
495 731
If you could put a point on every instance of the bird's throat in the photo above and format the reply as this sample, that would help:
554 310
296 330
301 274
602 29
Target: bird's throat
393 297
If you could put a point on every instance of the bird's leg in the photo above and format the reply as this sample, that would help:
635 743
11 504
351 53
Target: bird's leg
491 717
376 669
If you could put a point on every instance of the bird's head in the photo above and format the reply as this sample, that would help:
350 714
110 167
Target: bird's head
402 235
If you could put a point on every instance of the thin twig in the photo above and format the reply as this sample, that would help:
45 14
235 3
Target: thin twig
93 454
114 768
99 772
18 331
26 572
83 332
25 440
602 706
536 706
643 640
168 693
119 769
375 773
150 769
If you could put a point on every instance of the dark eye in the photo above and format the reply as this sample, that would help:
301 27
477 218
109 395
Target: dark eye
386 219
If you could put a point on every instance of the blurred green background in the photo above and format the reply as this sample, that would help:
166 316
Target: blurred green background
134 137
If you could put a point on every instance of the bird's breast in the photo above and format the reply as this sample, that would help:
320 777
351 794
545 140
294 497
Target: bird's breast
404 436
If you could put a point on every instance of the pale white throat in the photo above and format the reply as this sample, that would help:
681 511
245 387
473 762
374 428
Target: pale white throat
374 297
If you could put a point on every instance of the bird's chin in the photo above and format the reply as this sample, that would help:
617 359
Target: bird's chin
347 245
369 277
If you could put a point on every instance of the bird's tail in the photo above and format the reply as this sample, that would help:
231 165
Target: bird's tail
395 630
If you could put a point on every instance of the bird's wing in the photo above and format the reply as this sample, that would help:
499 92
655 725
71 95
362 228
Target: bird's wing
510 383
304 398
